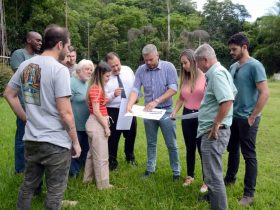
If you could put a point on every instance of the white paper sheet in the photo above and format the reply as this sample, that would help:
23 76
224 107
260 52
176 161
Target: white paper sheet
155 114
123 123
185 117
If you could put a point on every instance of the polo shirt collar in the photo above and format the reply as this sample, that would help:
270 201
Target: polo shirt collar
212 68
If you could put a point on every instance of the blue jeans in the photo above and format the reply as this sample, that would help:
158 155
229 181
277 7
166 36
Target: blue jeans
212 151
19 146
77 163
168 129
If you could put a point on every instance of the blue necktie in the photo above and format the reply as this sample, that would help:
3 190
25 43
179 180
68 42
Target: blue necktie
121 86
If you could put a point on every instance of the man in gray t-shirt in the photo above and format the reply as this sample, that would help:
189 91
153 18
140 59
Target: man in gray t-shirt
50 128
33 44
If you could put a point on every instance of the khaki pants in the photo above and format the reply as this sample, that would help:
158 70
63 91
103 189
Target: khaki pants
97 163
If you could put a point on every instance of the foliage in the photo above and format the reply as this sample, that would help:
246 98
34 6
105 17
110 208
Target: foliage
104 38
179 23
221 50
223 19
125 26
5 75
270 57
184 7
24 16
137 39
268 42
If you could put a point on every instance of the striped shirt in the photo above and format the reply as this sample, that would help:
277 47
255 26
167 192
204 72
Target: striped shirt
156 82
96 95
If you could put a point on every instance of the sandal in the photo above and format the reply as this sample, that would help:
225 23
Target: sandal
188 181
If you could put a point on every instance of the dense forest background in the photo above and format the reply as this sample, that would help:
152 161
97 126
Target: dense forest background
125 26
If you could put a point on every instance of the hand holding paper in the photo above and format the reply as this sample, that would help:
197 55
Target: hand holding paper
138 111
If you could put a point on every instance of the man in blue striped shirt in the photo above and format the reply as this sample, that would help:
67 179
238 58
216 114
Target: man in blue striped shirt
159 79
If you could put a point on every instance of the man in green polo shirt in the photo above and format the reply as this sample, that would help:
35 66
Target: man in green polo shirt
250 79
214 121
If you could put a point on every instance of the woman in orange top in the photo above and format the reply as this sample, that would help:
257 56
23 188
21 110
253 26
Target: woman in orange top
192 87
97 127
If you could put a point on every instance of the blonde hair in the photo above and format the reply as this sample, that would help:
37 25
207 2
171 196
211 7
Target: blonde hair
191 76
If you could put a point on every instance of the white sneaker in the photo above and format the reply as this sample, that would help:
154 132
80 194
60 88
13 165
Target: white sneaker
203 188
68 203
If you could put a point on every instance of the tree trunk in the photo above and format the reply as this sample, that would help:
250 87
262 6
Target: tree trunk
168 26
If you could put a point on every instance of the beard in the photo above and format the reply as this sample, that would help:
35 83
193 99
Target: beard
37 49
62 56
238 56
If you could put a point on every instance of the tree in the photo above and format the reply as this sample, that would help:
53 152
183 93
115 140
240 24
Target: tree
104 38
23 16
268 43
3 34
125 26
223 19
137 39
124 18
168 5
275 11
185 7
194 39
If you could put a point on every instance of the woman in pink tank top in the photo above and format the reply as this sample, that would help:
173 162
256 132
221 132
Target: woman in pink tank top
192 85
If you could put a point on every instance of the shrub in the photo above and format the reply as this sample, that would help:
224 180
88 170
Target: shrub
269 56
5 75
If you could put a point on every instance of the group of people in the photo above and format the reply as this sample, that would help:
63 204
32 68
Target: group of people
73 109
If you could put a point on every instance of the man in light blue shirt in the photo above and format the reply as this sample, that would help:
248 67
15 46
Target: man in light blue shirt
159 80
214 121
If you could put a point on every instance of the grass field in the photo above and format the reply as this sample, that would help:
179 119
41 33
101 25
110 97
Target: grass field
159 192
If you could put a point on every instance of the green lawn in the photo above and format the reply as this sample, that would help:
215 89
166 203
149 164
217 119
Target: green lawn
159 192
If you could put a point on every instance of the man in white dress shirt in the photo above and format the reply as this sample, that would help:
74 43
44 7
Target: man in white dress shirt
118 87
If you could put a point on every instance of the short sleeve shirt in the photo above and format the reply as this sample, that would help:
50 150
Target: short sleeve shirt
18 57
42 80
245 77
220 88
97 95
79 102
